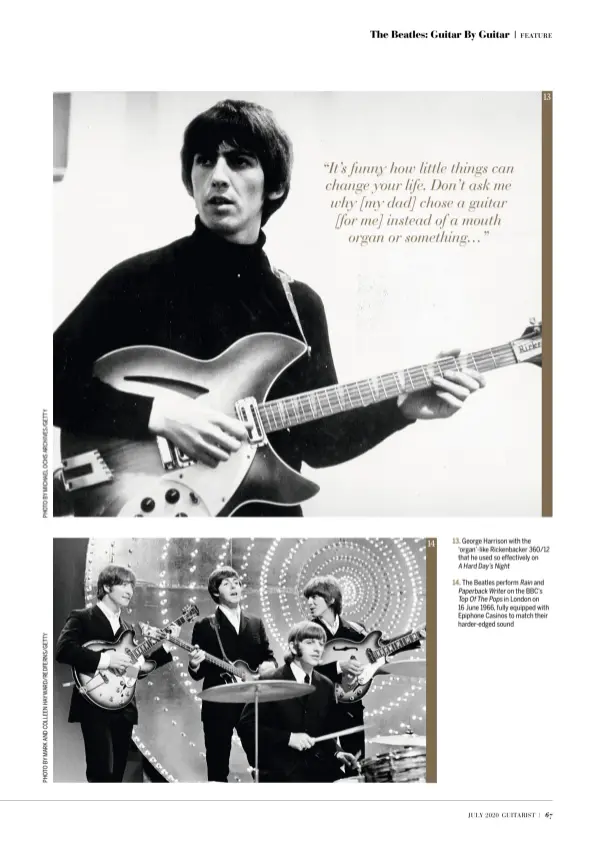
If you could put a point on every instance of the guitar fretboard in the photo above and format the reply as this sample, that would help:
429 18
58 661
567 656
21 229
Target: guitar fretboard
320 403
395 645
149 643
225 665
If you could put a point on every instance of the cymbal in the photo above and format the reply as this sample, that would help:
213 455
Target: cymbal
400 740
410 669
246 691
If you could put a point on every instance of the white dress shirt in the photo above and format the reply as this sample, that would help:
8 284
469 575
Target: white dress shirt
299 673
233 615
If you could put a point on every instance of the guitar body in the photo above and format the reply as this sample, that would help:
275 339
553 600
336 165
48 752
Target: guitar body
105 689
341 649
113 477
136 481
245 673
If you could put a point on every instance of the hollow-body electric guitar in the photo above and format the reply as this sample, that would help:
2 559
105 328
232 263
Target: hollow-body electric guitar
371 654
238 671
108 477
110 690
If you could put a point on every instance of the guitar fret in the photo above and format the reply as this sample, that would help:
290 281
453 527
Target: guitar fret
321 403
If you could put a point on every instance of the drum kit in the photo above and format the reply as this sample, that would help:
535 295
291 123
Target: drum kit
405 763
255 692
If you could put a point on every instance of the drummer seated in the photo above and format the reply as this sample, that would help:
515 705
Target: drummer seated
287 751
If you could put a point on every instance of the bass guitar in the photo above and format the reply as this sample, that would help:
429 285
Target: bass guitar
369 652
113 690
108 477
237 672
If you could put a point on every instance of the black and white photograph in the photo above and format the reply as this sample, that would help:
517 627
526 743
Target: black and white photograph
235 273
241 660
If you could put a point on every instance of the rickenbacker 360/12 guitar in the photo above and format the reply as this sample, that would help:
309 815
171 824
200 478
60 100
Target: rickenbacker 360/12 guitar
152 478
369 652
109 690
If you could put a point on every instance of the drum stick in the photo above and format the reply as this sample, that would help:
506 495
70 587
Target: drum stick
339 734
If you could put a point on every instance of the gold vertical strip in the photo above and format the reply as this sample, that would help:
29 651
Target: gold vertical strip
546 295
431 662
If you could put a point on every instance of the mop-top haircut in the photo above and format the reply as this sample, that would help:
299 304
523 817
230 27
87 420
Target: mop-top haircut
306 630
113 575
251 128
329 589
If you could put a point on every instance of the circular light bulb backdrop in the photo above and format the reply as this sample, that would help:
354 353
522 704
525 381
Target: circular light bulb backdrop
383 581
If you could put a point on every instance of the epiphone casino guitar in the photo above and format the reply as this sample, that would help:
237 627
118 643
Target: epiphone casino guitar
108 477
110 691
368 652
238 671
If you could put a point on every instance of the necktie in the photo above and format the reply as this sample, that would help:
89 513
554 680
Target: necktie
307 679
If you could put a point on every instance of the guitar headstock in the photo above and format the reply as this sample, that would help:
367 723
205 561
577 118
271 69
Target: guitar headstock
422 631
527 349
189 612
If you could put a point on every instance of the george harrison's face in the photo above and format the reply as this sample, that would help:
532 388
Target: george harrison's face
119 596
317 606
230 592
228 190
309 652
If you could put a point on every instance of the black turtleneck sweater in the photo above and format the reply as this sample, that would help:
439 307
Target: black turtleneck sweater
197 296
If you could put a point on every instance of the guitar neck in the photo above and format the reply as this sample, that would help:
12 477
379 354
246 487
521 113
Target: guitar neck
148 643
394 646
321 403
218 662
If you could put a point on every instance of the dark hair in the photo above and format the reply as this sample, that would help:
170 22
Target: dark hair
329 589
303 631
113 575
247 126
217 576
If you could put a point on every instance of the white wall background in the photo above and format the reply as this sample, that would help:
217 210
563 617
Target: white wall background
388 306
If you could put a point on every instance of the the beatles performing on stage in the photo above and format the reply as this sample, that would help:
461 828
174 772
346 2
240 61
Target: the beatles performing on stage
301 720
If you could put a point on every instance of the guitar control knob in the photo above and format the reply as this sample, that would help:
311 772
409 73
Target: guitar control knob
181 514
148 504
172 495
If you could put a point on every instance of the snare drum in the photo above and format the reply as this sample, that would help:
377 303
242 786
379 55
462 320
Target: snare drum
406 765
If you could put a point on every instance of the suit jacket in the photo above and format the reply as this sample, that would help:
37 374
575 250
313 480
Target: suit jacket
311 714
250 644
82 626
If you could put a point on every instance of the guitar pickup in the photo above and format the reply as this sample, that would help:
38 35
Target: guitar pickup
85 471
172 457
247 411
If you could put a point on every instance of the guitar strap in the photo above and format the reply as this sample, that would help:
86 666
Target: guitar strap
286 283
215 624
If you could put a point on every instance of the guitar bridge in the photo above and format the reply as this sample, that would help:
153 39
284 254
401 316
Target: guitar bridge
247 411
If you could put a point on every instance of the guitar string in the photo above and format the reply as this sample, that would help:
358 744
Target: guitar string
379 388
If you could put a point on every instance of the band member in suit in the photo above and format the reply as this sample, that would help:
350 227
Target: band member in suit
106 733
231 635
325 604
286 747
200 294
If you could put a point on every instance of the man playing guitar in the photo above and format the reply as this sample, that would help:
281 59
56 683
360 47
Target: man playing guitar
200 294
325 603
106 733
228 634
